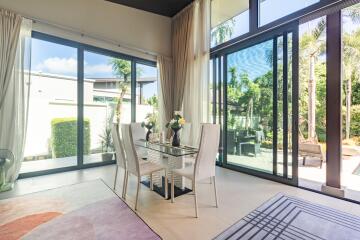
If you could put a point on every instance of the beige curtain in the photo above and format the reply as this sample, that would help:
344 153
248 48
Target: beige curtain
15 47
166 77
182 35
10 24
196 94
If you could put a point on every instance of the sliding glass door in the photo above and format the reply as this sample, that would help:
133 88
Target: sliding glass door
51 138
259 88
76 92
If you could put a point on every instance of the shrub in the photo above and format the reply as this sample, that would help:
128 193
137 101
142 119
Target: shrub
355 121
64 137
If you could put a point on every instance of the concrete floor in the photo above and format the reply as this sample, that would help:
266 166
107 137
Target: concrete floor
239 194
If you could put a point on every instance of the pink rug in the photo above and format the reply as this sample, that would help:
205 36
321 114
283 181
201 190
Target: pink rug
82 211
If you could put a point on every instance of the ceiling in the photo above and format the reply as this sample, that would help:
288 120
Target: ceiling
167 8
223 10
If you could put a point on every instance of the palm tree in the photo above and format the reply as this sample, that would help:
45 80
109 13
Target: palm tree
351 61
223 32
122 70
313 45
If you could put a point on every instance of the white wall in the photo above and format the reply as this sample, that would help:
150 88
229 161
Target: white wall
119 23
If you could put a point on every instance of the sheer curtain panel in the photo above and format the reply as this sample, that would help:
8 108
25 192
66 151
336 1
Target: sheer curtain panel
15 37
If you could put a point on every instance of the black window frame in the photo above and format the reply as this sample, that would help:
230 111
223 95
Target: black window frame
81 48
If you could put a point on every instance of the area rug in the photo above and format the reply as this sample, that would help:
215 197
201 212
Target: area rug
289 218
89 210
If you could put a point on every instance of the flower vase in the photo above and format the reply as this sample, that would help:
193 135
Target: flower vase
148 134
176 137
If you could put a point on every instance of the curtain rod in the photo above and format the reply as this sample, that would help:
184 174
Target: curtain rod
92 36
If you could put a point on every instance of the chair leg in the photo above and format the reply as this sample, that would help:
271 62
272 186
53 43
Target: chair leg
172 187
124 185
137 194
151 182
304 159
116 174
195 198
216 199
166 185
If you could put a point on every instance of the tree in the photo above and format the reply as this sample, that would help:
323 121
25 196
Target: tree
223 32
351 58
122 70
313 45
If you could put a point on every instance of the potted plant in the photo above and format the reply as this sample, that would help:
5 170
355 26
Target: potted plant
176 124
149 123
107 144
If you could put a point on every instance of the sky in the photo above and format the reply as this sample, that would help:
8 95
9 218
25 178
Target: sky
62 60
58 59
253 60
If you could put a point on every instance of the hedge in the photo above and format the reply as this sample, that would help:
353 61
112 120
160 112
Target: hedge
64 137
355 121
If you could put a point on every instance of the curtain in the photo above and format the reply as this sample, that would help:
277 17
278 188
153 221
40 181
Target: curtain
196 94
182 35
165 87
15 37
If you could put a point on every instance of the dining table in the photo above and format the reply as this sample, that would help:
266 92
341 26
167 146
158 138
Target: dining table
172 157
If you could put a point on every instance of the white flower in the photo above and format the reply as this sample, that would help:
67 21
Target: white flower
172 121
178 113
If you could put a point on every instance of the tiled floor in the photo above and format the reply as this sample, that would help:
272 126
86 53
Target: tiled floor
239 194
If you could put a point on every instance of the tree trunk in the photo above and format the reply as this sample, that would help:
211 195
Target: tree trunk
312 100
348 108
123 90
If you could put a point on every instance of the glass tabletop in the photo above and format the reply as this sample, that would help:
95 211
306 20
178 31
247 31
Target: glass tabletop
167 148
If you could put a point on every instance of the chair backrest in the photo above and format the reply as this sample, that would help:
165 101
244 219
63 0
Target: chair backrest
208 150
118 145
130 152
137 131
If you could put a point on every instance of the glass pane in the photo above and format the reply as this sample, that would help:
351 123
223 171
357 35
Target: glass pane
51 140
271 10
312 103
350 165
289 102
280 106
250 107
107 99
146 92
229 19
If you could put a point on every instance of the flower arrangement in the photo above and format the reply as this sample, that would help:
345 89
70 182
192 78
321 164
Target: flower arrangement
150 121
177 122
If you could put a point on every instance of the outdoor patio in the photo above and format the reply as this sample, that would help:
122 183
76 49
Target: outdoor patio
311 175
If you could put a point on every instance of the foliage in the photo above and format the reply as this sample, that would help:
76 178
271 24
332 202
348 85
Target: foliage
355 120
122 69
153 101
150 121
64 137
177 122
223 32
250 101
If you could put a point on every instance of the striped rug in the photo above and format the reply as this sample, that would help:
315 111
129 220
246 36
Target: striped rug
289 218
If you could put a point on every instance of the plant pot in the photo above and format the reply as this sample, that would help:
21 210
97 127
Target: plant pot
106 157
176 137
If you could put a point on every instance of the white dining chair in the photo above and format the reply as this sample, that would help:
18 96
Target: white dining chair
119 154
133 165
139 133
204 167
